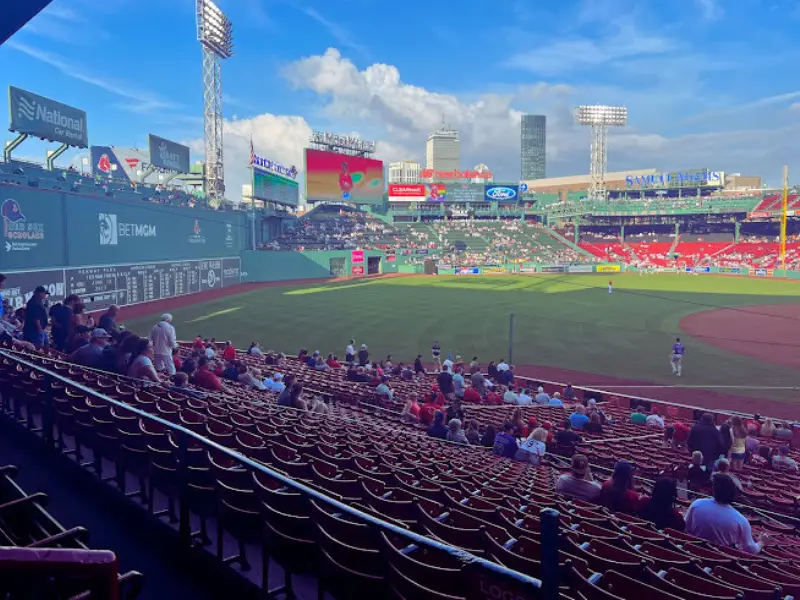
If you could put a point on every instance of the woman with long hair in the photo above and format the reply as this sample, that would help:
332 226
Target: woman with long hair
660 508
617 493
739 443
140 363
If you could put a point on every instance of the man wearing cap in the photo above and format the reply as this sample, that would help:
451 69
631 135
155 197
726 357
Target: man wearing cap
34 330
578 483
163 338
91 354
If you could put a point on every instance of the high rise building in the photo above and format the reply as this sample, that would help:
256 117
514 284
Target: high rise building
406 171
443 150
533 147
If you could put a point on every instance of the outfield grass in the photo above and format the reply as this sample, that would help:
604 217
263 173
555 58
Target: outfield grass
567 321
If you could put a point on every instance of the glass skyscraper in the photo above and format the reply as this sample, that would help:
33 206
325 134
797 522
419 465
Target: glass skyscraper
533 147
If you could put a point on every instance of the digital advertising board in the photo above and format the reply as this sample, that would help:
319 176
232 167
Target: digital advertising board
501 193
272 187
331 177
46 119
168 155
436 192
406 192
465 192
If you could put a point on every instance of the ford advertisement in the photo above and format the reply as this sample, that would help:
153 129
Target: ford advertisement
501 193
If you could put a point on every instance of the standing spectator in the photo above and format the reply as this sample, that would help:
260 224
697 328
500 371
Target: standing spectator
478 383
2 300
108 320
363 356
705 438
739 445
445 382
459 383
35 328
578 483
716 521
617 493
350 352
418 368
436 353
163 337
660 508
61 326
447 365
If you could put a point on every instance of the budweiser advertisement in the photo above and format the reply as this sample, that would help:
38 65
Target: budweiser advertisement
407 192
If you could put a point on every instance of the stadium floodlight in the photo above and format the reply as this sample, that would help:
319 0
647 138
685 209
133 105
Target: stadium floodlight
215 34
599 118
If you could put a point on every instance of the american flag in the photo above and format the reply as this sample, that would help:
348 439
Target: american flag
252 151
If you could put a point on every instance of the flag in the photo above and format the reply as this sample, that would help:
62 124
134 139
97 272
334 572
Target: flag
252 151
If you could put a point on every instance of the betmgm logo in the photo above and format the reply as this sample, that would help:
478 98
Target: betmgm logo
111 229
27 108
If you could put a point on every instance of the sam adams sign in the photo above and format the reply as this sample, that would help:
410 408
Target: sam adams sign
677 179
46 119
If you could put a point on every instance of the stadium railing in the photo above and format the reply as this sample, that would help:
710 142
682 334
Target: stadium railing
487 579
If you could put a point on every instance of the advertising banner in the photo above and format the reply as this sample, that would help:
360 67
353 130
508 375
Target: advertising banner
106 164
358 269
272 187
467 271
607 269
527 270
19 286
33 228
758 215
406 192
495 270
47 119
553 269
465 192
729 270
764 272
501 193
436 192
331 177
357 256
580 269
421 251
168 155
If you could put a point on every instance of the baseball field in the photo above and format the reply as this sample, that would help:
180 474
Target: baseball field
742 335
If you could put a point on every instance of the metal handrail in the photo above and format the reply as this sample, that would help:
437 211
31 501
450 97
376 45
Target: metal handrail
462 555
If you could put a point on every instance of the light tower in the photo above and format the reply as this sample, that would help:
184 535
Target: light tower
215 34
599 118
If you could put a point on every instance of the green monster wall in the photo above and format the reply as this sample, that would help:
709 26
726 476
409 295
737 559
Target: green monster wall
258 266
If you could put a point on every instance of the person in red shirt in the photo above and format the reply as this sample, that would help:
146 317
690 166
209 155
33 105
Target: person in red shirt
204 378
198 343
427 411
332 362
495 399
345 182
176 359
617 493
229 353
471 396
681 434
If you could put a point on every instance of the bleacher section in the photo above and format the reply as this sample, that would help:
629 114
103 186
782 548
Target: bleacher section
375 508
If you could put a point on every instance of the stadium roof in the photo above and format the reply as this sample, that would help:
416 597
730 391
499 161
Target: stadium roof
14 16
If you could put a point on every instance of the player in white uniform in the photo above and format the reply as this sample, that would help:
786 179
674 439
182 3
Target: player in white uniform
676 357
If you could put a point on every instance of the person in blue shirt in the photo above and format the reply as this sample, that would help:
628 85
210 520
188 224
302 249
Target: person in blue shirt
676 357
505 444
578 419
438 429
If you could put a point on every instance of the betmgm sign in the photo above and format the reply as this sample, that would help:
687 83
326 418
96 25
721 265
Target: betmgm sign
688 179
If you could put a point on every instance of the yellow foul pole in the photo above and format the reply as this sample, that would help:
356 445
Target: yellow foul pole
783 216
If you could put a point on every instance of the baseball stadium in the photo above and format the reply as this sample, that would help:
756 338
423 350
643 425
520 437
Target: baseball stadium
450 389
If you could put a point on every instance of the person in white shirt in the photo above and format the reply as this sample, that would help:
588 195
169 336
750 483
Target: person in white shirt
525 398
163 337
510 397
654 421
350 352
502 366
541 396
210 353
447 365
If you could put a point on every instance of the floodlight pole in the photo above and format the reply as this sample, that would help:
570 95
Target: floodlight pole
784 214
599 118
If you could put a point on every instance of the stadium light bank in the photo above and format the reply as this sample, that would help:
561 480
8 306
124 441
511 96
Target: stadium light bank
599 118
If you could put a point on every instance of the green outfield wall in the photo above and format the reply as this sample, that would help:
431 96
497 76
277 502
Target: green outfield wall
264 266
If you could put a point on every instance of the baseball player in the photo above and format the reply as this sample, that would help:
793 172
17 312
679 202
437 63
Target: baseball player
676 357
610 286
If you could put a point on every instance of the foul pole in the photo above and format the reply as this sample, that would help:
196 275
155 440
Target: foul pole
783 217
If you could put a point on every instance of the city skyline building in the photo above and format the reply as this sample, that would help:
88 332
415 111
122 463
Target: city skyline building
443 150
533 147
406 171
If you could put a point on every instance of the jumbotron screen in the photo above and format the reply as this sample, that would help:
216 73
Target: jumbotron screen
331 176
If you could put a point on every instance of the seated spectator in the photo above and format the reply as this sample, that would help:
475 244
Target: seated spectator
471 396
768 429
510 397
654 421
319 407
569 393
438 428
333 363
320 365
763 458
533 449
717 522
617 493
411 410
229 352
180 381
578 483
578 419
594 425
487 441
698 475
639 417
681 435
285 397
250 378
231 370
723 467
591 407
455 433
505 444
205 378
783 462
567 437
659 509
556 401
176 358
140 364
525 398
473 435
383 391
91 355
255 349
784 433
296 399
542 397
275 383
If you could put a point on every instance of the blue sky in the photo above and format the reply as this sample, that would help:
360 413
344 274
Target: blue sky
708 83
